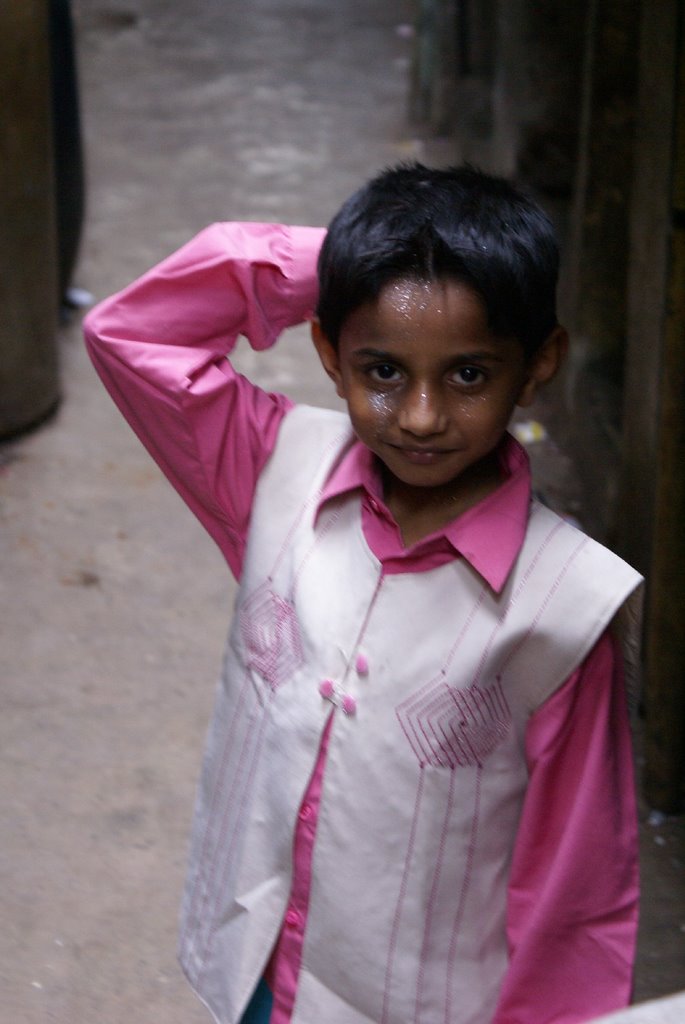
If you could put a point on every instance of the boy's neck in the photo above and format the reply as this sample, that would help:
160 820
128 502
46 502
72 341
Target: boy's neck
420 511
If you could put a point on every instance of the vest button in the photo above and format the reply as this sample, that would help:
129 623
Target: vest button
326 689
349 705
362 665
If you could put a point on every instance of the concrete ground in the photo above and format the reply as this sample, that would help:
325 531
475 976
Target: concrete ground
115 603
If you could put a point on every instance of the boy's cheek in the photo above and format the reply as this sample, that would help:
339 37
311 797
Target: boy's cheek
382 406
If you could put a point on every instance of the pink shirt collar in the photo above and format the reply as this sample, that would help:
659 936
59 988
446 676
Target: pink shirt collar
489 535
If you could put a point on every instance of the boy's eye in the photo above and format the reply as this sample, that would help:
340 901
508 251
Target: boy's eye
468 375
384 372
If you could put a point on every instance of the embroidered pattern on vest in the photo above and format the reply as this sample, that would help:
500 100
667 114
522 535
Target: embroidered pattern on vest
271 635
452 728
268 622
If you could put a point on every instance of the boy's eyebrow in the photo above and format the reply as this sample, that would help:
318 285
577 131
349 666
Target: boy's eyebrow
375 353
478 356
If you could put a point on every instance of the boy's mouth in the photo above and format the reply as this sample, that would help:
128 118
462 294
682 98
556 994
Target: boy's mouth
422 456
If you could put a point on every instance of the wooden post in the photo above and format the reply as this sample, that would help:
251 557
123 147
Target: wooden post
594 288
665 728
598 240
652 531
28 281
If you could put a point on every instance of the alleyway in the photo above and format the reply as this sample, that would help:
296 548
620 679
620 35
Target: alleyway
272 110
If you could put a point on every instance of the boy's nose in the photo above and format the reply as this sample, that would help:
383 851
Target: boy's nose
422 413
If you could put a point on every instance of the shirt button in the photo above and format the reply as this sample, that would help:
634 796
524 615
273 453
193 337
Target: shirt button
305 812
362 665
293 919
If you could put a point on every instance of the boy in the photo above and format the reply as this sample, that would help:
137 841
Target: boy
417 799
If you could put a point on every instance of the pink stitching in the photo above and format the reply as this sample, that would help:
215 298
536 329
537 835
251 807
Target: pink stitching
328 525
467 625
429 749
394 933
512 601
271 635
208 876
365 623
246 781
311 500
470 855
406 707
216 798
445 707
439 738
553 589
471 747
432 899
490 725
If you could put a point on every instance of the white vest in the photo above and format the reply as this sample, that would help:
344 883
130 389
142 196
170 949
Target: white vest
424 780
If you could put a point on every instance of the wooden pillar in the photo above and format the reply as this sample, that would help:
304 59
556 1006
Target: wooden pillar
28 288
594 287
652 527
509 88
598 238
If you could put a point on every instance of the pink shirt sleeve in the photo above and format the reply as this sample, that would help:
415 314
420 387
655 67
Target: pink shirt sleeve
572 911
160 347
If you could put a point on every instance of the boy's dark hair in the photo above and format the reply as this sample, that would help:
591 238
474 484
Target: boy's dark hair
423 223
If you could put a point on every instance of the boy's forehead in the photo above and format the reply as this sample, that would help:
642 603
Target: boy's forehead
409 292
408 302
442 317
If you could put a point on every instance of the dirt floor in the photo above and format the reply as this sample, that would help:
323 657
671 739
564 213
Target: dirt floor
115 603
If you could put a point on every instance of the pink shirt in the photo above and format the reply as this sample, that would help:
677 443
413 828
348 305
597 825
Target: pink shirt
160 347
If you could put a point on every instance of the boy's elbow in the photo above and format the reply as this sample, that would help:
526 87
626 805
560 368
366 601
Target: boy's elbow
101 331
94 327
90 327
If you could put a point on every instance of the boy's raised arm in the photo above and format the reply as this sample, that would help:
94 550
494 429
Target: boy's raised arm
160 347
231 279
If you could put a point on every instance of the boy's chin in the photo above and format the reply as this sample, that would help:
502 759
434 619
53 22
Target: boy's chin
436 476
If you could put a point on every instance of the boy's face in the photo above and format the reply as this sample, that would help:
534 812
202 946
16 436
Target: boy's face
430 390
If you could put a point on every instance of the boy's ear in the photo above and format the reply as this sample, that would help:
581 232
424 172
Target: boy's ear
328 356
545 364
